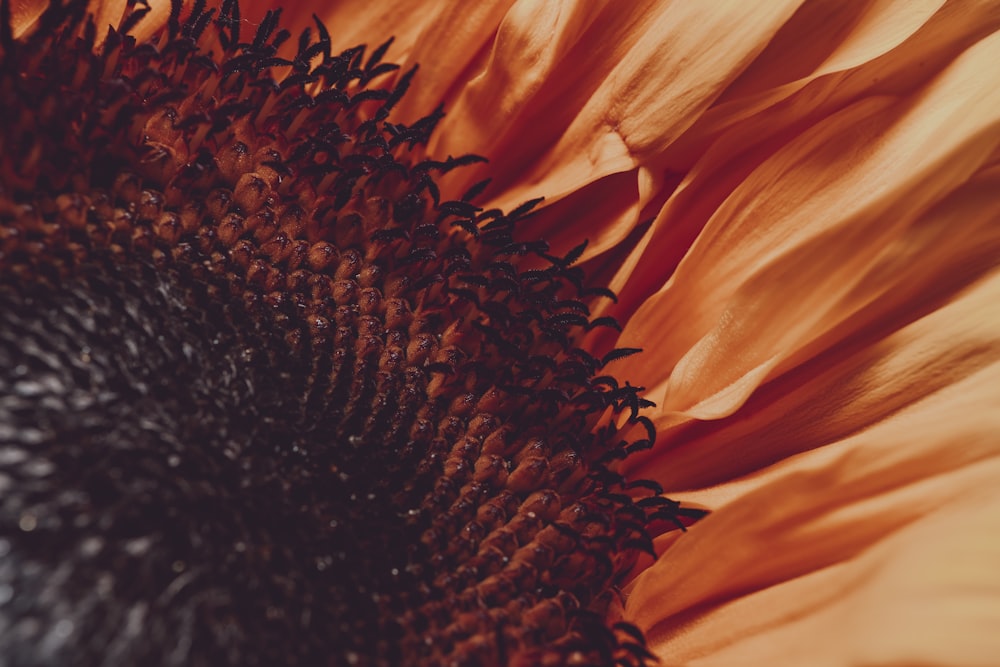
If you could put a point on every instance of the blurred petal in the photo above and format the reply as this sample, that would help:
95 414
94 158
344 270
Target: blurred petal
23 14
847 554
107 13
790 254
443 36
159 13
353 22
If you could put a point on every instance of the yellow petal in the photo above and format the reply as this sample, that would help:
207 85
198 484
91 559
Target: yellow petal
849 554
789 255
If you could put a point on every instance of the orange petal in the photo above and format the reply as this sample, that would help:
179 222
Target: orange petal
735 137
847 554
613 200
24 13
789 255
157 17
352 22
824 38
108 14
446 51
555 113
867 376
442 36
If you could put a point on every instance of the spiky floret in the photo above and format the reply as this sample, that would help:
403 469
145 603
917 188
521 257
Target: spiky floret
266 399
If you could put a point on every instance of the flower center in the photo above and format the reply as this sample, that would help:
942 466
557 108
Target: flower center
265 397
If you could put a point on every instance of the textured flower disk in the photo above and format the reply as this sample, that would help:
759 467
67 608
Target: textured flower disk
265 399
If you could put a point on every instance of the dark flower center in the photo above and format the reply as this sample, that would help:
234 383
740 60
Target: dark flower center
265 397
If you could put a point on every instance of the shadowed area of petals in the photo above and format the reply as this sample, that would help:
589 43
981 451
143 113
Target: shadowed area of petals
879 550
782 261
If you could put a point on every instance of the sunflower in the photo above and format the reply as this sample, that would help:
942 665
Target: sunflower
789 207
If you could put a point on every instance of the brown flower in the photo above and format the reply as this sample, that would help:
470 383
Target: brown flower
796 203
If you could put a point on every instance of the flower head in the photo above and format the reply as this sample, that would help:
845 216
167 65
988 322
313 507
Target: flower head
368 416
